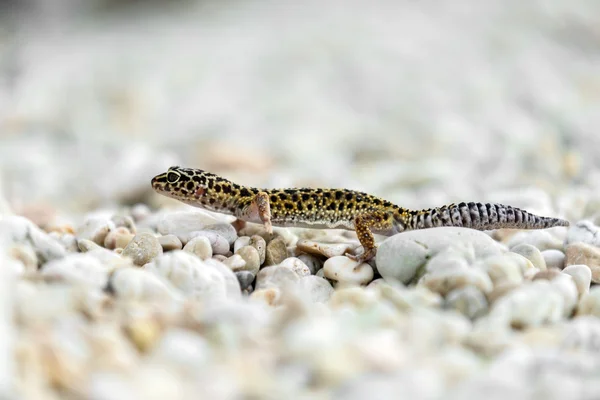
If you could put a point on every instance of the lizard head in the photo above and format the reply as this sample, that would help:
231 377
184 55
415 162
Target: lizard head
188 185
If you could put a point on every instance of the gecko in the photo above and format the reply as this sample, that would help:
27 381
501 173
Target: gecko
323 208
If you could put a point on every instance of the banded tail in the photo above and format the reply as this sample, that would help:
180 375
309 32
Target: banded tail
479 216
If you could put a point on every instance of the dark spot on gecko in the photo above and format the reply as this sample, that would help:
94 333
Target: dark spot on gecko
283 196
226 189
327 195
377 202
196 178
305 197
338 195
211 201
190 185
288 206
341 207
300 207
349 196
331 207
295 197
218 188
309 206
210 183
387 204
289 191
244 192
273 198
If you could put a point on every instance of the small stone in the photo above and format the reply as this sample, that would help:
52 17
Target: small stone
315 289
77 268
144 333
245 278
226 231
276 251
118 238
259 243
20 230
444 281
95 229
554 258
312 262
124 221
200 246
585 232
235 263
241 242
541 239
469 301
218 243
590 303
135 284
347 272
170 242
532 253
143 248
269 296
251 258
582 276
296 265
275 277
68 241
86 245
548 275
200 279
581 253
26 255
508 267
325 249
140 211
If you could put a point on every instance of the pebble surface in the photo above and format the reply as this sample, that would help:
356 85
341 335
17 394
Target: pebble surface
109 291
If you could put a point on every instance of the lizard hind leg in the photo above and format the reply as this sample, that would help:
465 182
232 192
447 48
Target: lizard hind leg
258 209
364 225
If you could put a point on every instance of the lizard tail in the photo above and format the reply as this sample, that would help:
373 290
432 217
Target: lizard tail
480 216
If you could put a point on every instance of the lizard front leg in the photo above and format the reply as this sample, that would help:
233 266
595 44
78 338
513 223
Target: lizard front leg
363 225
259 208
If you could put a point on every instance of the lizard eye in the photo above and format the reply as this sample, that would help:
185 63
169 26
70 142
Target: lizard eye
172 177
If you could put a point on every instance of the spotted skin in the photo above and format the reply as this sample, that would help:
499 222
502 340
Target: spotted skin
334 208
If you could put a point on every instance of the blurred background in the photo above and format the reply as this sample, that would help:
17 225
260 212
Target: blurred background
423 102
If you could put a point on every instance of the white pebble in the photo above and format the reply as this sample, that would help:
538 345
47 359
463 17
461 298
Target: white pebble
77 269
241 242
218 243
554 258
584 231
582 276
139 284
200 246
296 265
315 289
95 229
346 272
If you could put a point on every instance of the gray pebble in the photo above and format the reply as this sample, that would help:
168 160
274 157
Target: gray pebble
241 242
250 255
143 248
469 301
95 229
225 230
532 253
276 251
259 243
170 242
200 246
312 262
245 278
554 258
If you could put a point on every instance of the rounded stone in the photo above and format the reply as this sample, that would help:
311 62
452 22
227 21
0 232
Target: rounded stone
235 263
225 230
312 262
241 242
118 238
251 258
124 221
582 276
585 232
582 253
554 258
275 277
590 303
296 265
259 243
200 246
469 301
347 272
315 289
245 278
276 251
77 268
532 253
170 242
541 239
95 229
218 243
143 248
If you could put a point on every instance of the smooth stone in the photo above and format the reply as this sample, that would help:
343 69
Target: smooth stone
400 256
77 269
218 243
469 301
25 255
170 242
445 281
567 287
140 212
124 221
19 229
346 272
259 243
269 296
86 245
245 278
199 246
143 248
529 305
312 262
585 232
315 289
235 263
95 229
225 230
200 279
67 240
276 251
554 258
582 276
541 239
296 265
582 253
275 277
138 284
507 267
241 242
590 303
532 253
251 257
182 222
118 238
328 250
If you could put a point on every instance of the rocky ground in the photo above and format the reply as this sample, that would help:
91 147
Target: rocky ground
109 291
